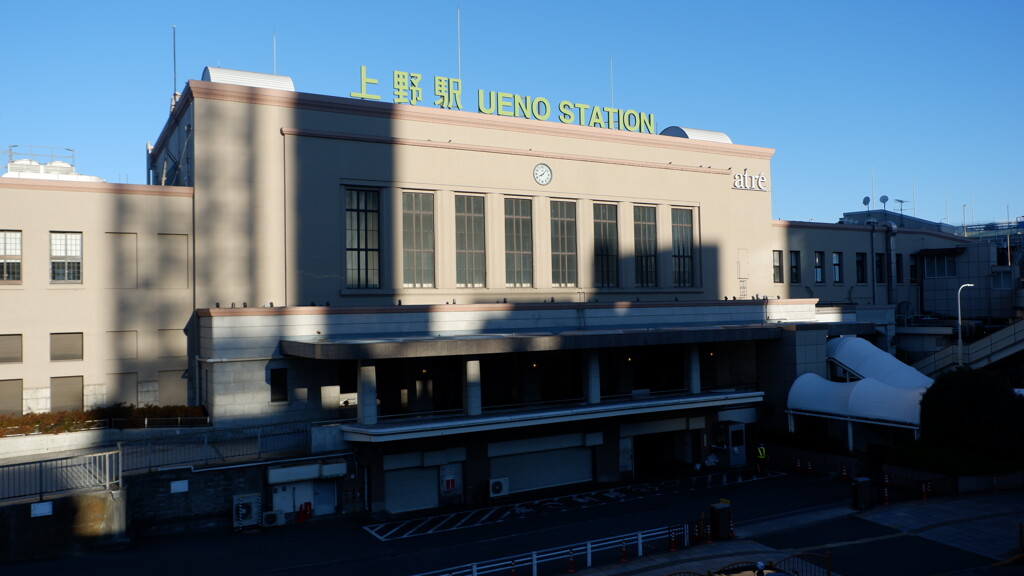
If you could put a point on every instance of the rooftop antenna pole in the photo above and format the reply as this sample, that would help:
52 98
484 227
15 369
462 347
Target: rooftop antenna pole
872 187
174 66
458 38
611 78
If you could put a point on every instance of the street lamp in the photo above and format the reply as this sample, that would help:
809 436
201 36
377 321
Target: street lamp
959 328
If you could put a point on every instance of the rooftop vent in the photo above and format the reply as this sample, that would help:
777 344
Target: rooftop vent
252 79
695 134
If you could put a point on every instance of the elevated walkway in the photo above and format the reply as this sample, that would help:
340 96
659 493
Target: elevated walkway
979 354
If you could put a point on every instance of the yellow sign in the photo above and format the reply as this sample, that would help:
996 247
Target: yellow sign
406 89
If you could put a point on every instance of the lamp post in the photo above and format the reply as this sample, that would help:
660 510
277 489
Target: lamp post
959 328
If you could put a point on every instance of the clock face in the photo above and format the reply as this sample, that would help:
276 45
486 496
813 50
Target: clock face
542 174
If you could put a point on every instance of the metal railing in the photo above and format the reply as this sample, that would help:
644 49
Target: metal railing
978 354
215 446
609 550
47 477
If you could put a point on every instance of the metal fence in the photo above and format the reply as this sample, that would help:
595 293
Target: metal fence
615 549
47 477
215 446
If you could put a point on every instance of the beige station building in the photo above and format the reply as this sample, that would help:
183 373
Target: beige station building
474 304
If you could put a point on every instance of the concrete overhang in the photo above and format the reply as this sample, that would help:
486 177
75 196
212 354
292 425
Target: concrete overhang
426 345
409 430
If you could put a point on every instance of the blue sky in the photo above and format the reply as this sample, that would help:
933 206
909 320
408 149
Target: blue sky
919 101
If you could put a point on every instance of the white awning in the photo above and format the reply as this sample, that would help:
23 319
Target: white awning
889 391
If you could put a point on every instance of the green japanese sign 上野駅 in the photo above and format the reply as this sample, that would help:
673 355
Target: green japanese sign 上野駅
407 89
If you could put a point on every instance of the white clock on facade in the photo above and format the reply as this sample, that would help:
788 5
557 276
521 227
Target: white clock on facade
542 174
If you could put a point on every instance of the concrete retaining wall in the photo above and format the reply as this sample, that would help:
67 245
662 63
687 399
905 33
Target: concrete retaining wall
75 523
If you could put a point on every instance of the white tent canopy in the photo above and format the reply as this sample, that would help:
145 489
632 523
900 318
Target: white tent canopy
889 391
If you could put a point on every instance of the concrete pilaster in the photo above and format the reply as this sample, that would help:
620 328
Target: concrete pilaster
367 390
693 368
471 389
593 392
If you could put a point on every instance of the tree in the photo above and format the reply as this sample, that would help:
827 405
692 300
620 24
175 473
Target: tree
973 411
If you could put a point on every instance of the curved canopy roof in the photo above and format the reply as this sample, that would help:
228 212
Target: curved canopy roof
865 360
889 391
696 134
243 78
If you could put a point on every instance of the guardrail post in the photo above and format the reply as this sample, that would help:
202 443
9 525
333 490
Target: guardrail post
589 555
533 560
639 544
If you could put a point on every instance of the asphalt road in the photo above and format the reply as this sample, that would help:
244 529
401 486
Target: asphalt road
345 546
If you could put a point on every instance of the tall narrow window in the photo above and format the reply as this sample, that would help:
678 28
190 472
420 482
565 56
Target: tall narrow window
563 243
606 245
862 267
645 246
418 239
518 242
362 238
10 256
777 266
819 267
65 256
915 269
837 267
794 266
470 246
899 269
880 274
683 272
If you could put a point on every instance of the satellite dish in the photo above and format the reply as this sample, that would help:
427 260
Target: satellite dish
883 199
866 200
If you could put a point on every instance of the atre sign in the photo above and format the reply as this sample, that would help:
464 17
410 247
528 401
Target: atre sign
746 181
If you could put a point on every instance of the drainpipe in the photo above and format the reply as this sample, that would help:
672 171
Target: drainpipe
871 262
891 234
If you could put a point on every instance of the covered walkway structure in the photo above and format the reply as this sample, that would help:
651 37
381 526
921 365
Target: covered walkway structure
873 389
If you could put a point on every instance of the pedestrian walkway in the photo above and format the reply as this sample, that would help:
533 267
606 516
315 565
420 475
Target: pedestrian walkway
988 525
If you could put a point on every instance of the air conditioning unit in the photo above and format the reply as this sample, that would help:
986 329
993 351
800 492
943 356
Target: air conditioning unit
274 518
247 511
499 487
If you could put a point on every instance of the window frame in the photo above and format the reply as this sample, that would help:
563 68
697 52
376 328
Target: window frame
794 267
606 245
470 241
11 254
362 238
518 242
819 267
684 250
70 264
837 267
419 264
564 243
778 273
645 245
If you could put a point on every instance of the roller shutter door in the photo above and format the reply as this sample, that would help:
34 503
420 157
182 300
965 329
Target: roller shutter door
410 489
544 469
